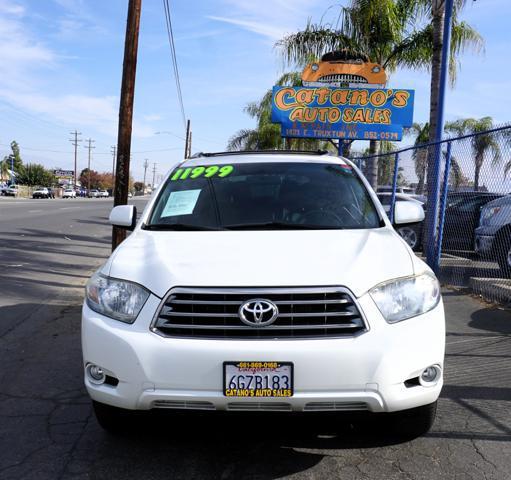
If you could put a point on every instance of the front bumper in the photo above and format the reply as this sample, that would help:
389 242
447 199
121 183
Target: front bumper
365 372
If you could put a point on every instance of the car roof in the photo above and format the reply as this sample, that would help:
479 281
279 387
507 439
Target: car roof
499 201
226 158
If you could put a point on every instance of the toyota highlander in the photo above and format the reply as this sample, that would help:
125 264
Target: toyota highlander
264 281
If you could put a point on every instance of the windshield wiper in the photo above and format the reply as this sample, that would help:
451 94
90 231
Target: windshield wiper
280 226
178 227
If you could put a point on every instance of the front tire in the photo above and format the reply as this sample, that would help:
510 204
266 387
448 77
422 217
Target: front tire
112 419
410 234
414 422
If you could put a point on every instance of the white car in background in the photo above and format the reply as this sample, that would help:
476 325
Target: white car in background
411 233
264 282
11 191
103 194
93 193
69 193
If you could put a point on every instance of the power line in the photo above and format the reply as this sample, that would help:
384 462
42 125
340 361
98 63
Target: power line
170 35
97 153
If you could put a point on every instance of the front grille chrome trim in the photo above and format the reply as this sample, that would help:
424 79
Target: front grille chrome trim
304 313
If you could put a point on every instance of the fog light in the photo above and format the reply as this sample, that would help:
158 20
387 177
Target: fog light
430 376
96 374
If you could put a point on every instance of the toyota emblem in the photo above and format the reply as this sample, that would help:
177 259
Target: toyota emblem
258 312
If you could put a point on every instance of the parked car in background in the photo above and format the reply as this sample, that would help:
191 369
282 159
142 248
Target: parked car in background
411 233
12 191
103 193
41 192
388 189
69 193
462 214
93 193
493 236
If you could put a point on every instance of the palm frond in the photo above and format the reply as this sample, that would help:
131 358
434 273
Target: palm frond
312 42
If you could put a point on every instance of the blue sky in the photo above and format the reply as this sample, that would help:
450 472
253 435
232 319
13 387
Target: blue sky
61 68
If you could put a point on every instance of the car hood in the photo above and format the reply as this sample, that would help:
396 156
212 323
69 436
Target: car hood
356 259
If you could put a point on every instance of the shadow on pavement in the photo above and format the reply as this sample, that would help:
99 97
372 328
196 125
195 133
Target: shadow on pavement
496 320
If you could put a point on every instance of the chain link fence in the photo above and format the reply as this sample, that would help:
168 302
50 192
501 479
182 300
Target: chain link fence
466 235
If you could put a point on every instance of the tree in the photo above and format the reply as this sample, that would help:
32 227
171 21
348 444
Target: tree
138 186
393 33
482 144
94 177
13 160
420 155
34 174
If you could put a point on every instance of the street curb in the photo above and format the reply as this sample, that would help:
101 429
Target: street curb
492 289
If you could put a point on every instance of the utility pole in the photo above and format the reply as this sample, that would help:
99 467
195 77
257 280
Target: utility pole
187 140
146 164
74 141
129 71
89 147
154 175
113 150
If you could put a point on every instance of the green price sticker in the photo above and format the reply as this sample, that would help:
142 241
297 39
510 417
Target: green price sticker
197 172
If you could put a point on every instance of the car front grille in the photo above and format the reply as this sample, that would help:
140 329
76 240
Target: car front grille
317 312
342 78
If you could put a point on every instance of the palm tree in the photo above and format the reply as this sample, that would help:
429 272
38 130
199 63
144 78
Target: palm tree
393 33
420 155
481 143
267 135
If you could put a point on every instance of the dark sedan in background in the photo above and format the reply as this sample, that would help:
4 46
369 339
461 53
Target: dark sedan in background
462 214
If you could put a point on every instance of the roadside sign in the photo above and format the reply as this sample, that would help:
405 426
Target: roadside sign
342 113
63 173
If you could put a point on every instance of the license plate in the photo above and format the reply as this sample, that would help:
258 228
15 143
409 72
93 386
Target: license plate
258 379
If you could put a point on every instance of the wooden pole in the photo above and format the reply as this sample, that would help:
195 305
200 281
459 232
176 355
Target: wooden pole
129 70
187 140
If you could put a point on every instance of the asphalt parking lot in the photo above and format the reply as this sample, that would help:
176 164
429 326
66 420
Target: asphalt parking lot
48 431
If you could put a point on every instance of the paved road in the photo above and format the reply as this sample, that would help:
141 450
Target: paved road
47 430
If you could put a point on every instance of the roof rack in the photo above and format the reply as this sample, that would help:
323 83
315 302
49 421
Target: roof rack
262 152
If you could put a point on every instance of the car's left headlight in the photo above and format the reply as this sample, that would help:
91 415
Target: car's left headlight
118 299
406 297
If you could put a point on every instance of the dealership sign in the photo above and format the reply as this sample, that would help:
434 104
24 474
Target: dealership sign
63 173
342 113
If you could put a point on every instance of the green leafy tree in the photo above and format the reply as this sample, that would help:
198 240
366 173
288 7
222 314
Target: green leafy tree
482 144
34 174
13 159
393 33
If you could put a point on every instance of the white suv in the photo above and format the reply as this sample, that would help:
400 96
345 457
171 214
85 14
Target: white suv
268 282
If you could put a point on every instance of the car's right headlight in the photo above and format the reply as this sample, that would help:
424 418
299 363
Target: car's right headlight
114 298
406 297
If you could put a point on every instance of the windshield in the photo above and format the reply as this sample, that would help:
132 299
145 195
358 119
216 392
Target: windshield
264 196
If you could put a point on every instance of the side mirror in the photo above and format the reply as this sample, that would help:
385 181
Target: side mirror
124 216
408 212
